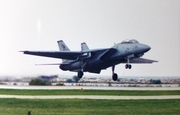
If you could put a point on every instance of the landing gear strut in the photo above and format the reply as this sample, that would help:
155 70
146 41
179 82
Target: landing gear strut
114 75
80 73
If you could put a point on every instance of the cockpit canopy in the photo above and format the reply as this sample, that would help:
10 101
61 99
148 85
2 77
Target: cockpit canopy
132 41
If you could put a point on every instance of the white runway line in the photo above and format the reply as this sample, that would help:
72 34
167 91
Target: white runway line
91 97
86 88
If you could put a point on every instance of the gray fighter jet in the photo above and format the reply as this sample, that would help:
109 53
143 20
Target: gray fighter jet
95 60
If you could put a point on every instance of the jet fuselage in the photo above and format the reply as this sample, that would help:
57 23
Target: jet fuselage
122 52
95 60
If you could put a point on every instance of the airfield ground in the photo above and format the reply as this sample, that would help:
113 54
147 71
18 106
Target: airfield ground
56 101
89 107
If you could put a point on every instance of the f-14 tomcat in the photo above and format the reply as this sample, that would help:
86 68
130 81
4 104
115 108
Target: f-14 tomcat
95 60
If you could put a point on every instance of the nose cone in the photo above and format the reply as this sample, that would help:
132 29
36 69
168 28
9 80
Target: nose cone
146 48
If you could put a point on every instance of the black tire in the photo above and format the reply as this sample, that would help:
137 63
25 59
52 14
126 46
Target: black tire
130 66
127 66
80 74
115 77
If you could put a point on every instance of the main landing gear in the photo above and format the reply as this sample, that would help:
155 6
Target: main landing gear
114 75
80 73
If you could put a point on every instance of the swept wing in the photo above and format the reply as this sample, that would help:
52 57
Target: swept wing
70 55
55 54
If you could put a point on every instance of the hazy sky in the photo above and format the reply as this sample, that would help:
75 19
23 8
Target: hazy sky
38 24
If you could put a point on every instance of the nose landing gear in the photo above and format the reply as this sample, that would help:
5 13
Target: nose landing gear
128 66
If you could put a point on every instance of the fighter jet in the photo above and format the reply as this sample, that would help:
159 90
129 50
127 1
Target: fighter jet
95 60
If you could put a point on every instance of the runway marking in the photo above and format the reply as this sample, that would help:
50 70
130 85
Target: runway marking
86 88
92 97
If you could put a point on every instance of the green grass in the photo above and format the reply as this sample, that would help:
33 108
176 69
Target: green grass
88 107
87 92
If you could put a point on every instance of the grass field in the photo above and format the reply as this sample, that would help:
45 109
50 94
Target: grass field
12 106
87 92
89 107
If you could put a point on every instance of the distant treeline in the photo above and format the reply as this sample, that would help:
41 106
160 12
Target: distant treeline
47 80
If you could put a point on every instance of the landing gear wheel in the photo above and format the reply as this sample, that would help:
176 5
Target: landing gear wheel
115 77
80 74
128 66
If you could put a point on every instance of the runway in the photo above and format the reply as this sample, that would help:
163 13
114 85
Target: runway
85 88
88 96
91 97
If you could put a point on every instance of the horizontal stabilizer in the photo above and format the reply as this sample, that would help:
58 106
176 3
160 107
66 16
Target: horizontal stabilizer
48 64
141 61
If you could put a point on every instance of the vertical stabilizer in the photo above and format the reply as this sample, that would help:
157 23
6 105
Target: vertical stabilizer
62 47
84 47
